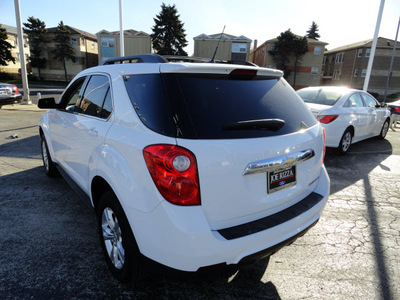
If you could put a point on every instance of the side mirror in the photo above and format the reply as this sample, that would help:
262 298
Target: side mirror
47 103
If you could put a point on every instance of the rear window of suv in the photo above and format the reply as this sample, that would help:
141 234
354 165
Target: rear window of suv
209 106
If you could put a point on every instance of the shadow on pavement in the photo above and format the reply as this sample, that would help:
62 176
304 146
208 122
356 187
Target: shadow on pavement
361 159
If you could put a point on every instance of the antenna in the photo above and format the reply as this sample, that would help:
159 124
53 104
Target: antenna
216 49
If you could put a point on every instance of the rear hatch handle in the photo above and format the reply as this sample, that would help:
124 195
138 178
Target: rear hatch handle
276 163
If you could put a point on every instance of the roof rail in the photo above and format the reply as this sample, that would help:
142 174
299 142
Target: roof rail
178 58
143 58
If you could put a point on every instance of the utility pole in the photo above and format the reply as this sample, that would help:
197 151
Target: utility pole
121 30
21 53
391 63
373 48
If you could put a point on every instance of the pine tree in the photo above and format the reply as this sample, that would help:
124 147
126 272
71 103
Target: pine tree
36 29
312 33
5 48
63 49
289 47
168 35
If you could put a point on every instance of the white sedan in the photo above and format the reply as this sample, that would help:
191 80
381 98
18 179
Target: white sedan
348 115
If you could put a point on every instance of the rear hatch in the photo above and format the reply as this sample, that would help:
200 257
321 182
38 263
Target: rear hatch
258 147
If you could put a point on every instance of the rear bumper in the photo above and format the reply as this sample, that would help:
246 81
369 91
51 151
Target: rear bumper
11 99
181 238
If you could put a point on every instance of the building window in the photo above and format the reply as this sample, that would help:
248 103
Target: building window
356 73
359 54
93 45
364 72
339 57
239 47
82 41
367 52
314 71
317 51
271 47
324 60
74 41
336 75
75 60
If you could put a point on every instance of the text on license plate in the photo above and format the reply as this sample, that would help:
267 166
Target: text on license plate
281 179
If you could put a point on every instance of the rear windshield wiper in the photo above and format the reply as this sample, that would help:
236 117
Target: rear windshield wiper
262 124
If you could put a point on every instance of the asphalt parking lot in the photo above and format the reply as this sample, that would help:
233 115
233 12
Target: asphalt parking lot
49 246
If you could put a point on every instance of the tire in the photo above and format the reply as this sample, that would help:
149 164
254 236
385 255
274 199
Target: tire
49 166
345 142
384 130
117 240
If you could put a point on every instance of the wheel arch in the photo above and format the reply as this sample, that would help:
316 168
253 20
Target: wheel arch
351 129
98 187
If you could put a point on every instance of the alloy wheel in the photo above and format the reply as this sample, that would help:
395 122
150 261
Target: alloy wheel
346 141
112 238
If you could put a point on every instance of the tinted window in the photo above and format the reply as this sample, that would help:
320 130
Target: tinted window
94 95
203 106
320 96
148 98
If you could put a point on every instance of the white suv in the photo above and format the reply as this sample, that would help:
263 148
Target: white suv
189 164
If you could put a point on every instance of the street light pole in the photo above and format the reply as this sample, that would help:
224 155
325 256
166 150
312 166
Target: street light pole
121 30
21 53
391 63
373 48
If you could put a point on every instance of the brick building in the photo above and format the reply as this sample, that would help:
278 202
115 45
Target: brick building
309 71
347 65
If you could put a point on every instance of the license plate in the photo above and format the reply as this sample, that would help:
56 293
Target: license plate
281 179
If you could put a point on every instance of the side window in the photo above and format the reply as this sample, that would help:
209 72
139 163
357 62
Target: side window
354 101
71 96
369 101
94 95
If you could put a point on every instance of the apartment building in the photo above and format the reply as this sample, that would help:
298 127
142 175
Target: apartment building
85 54
14 69
230 47
135 42
309 71
347 65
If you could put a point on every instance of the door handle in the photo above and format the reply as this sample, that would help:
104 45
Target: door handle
93 132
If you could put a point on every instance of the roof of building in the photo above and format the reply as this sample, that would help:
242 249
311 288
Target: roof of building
131 32
74 30
309 41
381 43
223 37
10 29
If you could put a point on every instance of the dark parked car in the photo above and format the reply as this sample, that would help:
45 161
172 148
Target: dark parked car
394 112
9 94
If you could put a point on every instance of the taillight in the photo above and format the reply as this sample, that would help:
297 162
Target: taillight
397 110
327 118
324 150
15 89
174 172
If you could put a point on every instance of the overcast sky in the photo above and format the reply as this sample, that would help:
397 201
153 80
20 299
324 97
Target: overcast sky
340 22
